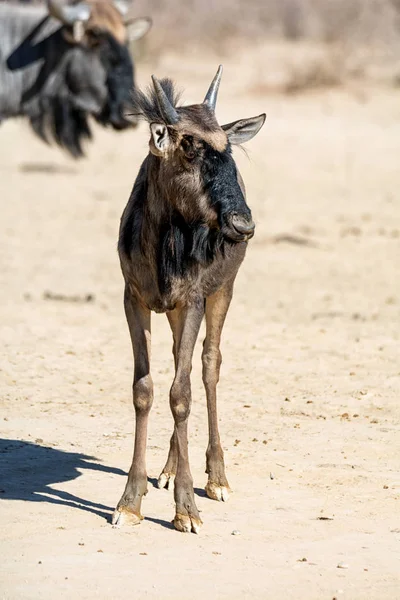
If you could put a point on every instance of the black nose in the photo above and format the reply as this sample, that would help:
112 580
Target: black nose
243 225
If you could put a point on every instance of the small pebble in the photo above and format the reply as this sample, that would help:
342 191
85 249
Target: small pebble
343 565
235 532
271 476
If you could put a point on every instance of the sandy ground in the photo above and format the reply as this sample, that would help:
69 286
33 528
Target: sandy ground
309 394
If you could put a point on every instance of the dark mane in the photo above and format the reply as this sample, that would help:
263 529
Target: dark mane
145 105
63 123
184 246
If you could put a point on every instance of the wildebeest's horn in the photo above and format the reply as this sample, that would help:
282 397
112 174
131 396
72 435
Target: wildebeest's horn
122 6
168 111
211 96
68 14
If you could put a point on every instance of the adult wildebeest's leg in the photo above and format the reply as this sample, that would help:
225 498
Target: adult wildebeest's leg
217 306
189 319
168 474
138 317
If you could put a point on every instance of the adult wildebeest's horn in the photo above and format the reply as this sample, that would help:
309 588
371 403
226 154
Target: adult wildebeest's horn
68 14
211 96
122 6
168 111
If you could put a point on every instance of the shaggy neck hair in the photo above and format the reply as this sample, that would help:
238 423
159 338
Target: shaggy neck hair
61 122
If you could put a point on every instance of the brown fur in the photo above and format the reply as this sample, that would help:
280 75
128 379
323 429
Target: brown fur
104 15
183 237
200 121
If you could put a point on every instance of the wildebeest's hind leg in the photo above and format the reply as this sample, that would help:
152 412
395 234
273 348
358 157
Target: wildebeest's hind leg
138 317
167 477
189 319
217 306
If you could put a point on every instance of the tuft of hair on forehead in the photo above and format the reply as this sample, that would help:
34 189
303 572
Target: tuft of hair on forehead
145 105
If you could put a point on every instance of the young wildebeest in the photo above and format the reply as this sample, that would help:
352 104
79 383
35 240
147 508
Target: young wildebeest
183 236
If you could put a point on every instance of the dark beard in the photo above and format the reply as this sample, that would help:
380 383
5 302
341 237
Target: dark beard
61 122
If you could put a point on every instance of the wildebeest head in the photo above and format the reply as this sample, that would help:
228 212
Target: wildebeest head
94 74
196 166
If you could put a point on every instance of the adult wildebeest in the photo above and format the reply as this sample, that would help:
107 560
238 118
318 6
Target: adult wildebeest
59 66
183 236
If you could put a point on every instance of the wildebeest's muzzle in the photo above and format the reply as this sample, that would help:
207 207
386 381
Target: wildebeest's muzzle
119 80
226 196
238 227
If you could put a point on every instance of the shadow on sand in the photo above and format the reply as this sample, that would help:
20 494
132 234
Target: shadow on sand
28 470
198 491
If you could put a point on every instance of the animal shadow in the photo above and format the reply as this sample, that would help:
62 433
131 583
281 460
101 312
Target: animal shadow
28 471
198 491
46 168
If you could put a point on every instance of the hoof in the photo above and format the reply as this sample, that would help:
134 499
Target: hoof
123 516
187 524
166 480
218 492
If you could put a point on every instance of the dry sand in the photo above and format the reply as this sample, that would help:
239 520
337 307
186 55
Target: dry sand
310 380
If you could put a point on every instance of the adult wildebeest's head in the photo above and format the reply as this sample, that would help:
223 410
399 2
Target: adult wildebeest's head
196 167
87 70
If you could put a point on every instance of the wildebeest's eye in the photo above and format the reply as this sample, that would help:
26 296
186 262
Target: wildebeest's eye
187 147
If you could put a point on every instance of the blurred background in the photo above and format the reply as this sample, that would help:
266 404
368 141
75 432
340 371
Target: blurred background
295 44
310 378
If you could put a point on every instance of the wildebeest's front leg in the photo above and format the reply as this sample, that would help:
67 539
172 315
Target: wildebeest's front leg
187 517
138 317
217 306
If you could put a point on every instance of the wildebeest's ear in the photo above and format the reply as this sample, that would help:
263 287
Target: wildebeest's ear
160 138
244 130
137 28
